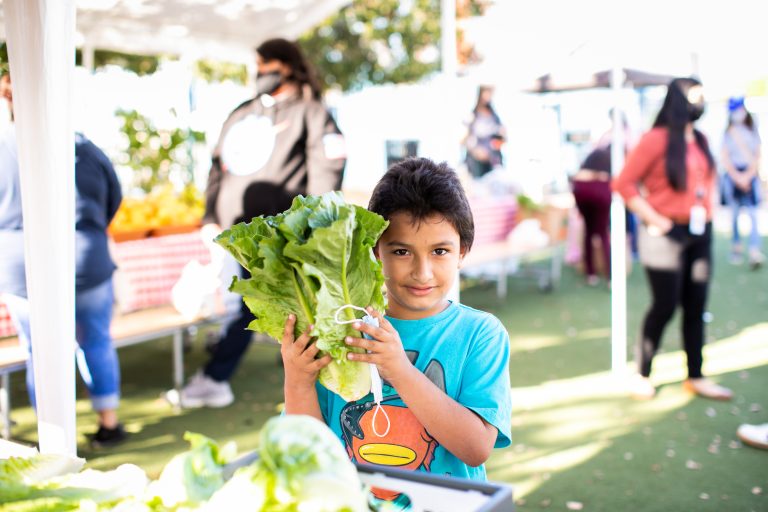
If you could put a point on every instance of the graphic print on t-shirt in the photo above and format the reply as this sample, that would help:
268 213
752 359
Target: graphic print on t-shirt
406 445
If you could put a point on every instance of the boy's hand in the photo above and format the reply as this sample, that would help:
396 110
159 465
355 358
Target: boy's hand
386 349
301 367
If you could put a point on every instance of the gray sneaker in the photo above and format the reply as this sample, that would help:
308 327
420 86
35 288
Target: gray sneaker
203 391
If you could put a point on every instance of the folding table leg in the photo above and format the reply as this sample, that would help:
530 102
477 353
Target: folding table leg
178 360
5 404
501 282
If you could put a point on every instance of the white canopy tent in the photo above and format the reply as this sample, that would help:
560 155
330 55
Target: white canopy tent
225 29
41 37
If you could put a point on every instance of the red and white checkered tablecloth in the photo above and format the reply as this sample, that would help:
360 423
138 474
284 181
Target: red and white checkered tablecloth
495 216
6 325
148 268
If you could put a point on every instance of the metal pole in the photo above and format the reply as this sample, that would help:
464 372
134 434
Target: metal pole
618 236
448 50
450 67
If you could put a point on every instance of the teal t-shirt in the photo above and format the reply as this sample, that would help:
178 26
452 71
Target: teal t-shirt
464 352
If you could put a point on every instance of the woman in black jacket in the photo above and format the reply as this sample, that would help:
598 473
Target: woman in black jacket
279 144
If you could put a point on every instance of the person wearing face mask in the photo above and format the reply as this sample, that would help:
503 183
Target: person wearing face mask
279 144
485 135
668 181
740 156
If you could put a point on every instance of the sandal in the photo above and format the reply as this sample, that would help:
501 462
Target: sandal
707 389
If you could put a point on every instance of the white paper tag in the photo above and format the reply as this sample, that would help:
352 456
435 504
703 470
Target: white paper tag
698 222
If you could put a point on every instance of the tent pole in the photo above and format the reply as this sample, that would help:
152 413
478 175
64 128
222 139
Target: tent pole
618 236
448 50
449 69
89 56
41 54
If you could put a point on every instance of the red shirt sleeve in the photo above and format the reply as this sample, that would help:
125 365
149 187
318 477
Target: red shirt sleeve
648 152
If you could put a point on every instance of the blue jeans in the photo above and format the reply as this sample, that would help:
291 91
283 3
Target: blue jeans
736 200
96 356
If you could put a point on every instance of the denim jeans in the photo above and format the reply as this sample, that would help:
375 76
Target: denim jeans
96 356
749 202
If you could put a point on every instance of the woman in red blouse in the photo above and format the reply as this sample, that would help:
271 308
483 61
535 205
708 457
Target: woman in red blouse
668 181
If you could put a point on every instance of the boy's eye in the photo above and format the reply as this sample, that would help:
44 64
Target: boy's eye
441 251
400 252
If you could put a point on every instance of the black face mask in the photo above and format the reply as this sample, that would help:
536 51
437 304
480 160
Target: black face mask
695 111
267 83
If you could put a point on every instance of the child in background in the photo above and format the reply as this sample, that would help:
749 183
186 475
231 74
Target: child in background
446 396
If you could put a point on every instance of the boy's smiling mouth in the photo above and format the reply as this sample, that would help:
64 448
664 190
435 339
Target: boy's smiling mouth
420 290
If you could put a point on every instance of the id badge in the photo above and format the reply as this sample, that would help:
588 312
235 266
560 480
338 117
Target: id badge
698 222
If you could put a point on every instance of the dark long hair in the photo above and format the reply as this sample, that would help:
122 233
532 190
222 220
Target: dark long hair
289 53
675 115
749 121
489 106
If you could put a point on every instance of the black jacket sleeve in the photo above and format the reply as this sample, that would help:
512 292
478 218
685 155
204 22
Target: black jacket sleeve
212 191
216 174
326 155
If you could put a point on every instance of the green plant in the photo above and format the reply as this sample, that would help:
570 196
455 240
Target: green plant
215 71
155 154
527 204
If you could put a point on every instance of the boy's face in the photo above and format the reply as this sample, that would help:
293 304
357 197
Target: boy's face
421 261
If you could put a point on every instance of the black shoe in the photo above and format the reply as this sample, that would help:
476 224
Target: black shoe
108 437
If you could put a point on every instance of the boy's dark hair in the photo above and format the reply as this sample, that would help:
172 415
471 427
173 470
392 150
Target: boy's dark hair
421 187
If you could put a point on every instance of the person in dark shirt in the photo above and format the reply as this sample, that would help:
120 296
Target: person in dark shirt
279 144
98 197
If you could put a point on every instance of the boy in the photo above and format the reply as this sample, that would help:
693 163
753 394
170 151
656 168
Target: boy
446 401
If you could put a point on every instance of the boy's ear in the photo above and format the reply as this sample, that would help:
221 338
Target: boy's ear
462 253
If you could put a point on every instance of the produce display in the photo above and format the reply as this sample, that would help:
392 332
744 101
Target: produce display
162 207
312 260
301 467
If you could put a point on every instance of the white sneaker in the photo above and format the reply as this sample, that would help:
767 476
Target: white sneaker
203 391
754 435
641 388
756 259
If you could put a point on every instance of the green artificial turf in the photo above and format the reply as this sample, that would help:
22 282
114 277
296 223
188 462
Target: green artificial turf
579 442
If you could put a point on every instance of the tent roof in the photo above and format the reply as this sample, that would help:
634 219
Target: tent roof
632 78
227 29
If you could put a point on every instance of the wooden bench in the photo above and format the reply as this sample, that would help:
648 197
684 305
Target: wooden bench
127 329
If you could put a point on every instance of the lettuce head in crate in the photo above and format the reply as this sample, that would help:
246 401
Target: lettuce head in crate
312 260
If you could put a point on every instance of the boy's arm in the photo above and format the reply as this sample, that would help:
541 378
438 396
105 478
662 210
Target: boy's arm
301 371
458 429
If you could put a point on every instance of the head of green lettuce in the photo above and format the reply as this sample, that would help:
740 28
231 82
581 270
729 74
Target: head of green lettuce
311 260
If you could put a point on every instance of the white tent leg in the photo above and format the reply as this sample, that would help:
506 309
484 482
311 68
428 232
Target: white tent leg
41 54
618 238
5 404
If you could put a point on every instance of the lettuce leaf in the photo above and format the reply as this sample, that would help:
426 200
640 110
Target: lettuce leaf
301 467
20 475
192 477
50 485
311 260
